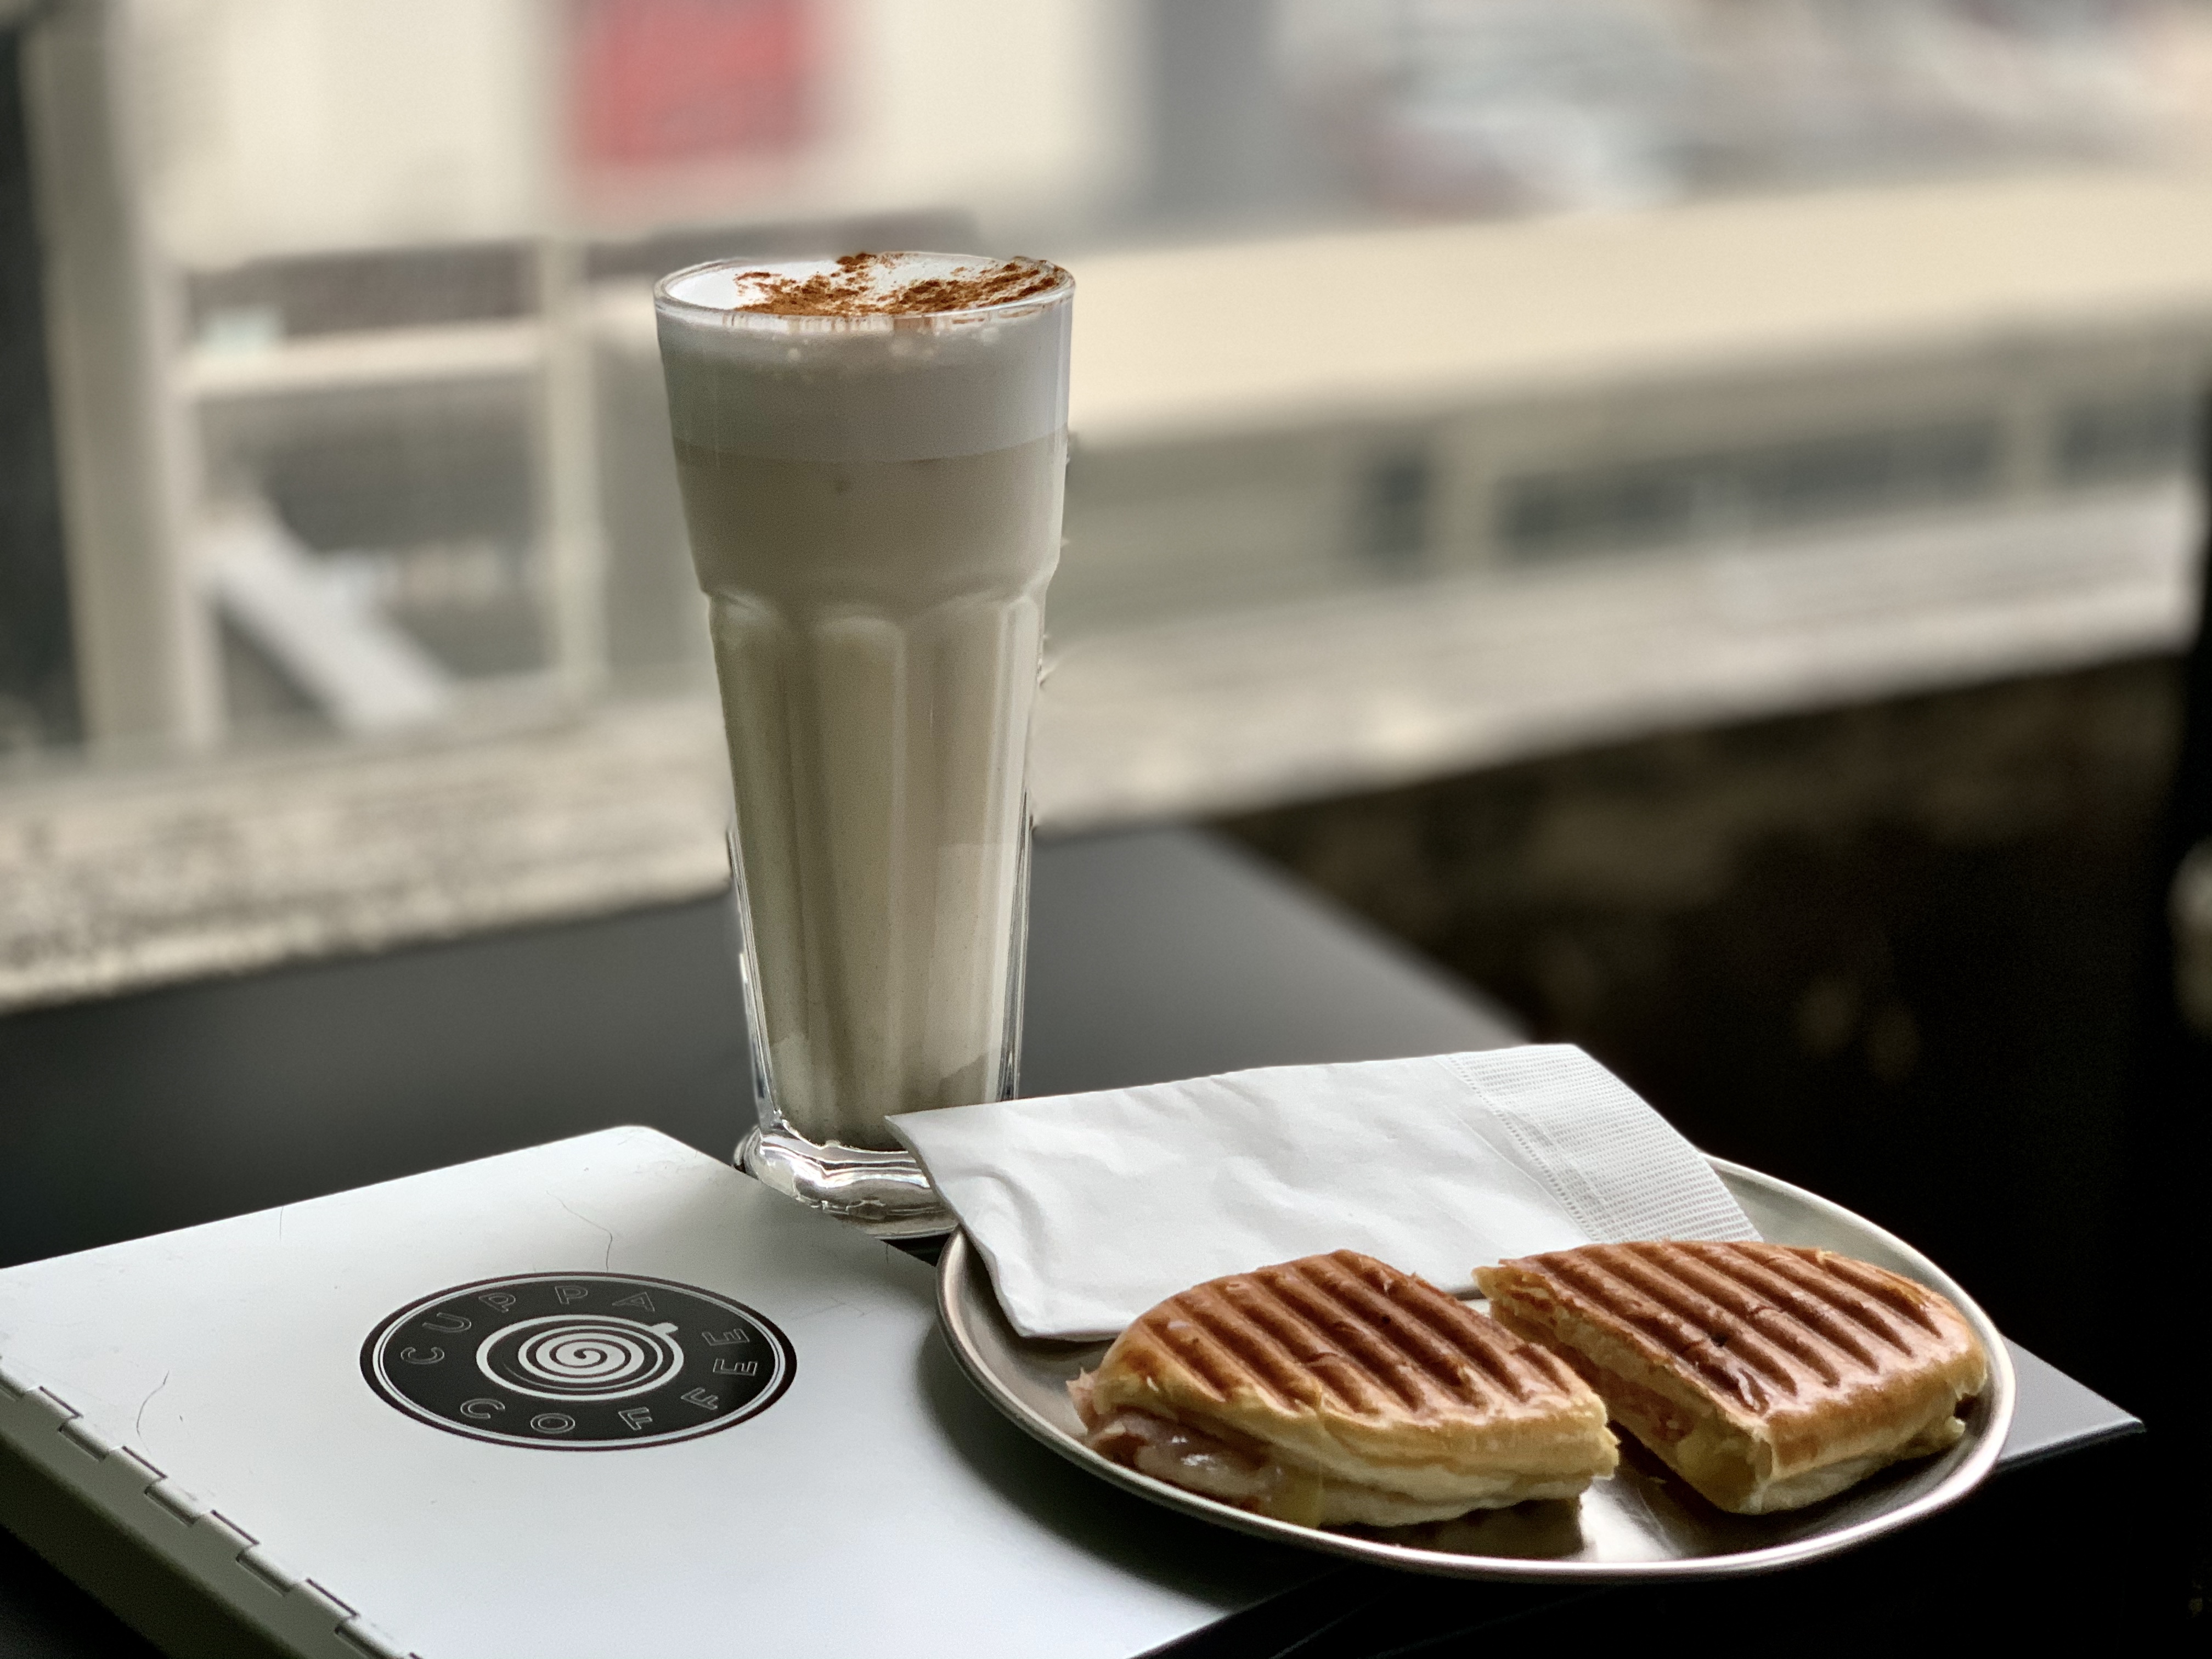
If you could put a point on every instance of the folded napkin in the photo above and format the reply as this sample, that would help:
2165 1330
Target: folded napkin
1091 1208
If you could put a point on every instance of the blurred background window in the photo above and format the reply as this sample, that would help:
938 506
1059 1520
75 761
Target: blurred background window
357 401
1457 379
663 82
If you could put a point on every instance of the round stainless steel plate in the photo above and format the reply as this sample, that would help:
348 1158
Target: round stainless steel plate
1640 1524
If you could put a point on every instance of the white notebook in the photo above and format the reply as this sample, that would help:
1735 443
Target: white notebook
606 1399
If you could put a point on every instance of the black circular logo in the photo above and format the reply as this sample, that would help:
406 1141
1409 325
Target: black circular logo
579 1362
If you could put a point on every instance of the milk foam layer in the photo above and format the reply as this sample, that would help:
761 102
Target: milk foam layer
874 508
861 388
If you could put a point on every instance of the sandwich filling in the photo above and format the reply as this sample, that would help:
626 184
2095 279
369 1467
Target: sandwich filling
1731 1466
1231 1469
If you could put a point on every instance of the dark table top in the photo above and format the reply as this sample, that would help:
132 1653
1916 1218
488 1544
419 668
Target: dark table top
1154 955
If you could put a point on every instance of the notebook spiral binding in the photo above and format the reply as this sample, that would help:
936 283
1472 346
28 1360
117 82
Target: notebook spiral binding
29 1413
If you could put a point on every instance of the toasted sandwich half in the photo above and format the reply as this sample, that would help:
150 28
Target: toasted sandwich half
1336 1389
1767 1375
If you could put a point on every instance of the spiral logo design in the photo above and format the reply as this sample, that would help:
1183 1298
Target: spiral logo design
578 1361
581 1357
585 1361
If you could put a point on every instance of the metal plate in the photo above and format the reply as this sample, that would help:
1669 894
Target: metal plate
1642 1522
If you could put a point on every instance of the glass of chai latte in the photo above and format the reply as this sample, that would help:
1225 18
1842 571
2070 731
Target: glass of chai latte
870 451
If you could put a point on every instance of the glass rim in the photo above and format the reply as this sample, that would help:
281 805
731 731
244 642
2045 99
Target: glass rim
666 300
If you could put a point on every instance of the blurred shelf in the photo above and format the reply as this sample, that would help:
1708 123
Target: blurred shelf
1255 336
368 360
1265 335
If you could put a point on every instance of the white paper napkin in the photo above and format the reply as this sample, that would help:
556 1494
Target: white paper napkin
1092 1208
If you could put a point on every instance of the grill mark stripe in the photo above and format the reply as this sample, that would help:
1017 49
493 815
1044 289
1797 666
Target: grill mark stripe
1332 1291
1524 1371
1476 1339
1758 1352
1809 1299
1356 1335
1866 1312
1858 1328
1798 1268
1273 1362
1890 1292
1487 1357
1528 1370
1186 1336
1597 1295
1347 1332
1407 1356
1771 1313
1771 1353
1309 1349
1857 1308
1492 1354
1453 1344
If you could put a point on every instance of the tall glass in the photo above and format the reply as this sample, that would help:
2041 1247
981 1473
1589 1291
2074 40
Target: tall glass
871 452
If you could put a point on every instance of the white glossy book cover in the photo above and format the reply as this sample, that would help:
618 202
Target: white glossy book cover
605 1399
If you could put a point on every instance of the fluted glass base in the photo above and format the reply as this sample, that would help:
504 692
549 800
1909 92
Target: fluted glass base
885 1194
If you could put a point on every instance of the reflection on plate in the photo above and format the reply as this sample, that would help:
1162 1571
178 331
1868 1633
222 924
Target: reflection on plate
1546 1529
1643 1523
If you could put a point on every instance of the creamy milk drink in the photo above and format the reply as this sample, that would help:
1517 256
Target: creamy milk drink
871 452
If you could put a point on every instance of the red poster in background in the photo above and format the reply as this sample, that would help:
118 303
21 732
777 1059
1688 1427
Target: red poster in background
669 82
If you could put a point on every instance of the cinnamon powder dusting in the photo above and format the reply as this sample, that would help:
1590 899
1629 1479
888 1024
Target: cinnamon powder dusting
858 288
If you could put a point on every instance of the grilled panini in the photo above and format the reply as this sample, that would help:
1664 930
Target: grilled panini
1337 1389
1767 1375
